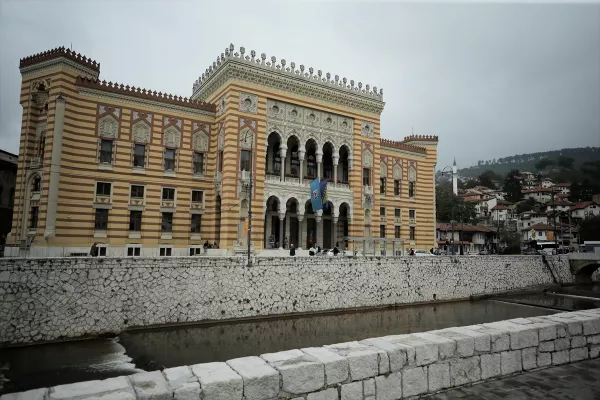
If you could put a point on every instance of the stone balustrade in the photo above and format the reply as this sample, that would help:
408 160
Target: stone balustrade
385 368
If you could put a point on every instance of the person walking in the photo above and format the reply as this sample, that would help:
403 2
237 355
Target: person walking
94 250
335 250
292 250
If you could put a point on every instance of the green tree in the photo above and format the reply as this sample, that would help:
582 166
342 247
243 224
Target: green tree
526 205
589 229
575 193
511 241
487 177
543 164
448 206
512 186
471 184
565 162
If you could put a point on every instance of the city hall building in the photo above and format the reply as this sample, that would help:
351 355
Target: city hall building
143 173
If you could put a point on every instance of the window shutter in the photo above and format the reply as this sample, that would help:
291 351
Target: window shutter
164 157
177 160
114 155
132 155
147 155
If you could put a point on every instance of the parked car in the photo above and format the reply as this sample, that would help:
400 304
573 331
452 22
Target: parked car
484 253
472 253
423 253
532 252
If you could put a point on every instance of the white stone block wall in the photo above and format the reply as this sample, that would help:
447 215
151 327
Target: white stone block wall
91 296
387 368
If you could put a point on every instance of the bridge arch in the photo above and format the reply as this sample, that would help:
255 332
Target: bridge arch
583 266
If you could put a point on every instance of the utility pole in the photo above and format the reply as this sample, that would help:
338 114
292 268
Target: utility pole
554 222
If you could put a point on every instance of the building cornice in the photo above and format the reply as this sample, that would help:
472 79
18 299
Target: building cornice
248 68
133 101
144 97
395 146
56 62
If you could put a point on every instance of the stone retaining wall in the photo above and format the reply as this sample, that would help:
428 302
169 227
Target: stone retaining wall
385 368
54 298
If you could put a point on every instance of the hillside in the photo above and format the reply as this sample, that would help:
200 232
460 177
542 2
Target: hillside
526 162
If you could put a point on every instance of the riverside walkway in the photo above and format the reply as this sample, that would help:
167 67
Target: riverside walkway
577 381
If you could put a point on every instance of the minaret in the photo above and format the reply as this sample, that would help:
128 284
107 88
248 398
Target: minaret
454 178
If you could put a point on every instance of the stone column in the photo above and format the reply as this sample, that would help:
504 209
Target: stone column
282 153
301 159
319 162
300 241
287 228
319 219
335 228
335 169
281 218
268 230
57 137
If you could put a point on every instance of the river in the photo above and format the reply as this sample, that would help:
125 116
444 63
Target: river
132 351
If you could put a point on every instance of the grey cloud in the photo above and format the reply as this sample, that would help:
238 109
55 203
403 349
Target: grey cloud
491 80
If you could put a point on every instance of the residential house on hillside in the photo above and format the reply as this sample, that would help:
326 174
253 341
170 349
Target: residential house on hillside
466 238
547 183
499 213
584 210
559 204
564 188
530 218
539 194
541 232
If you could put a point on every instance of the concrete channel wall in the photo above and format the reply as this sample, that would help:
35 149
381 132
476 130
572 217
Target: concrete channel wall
386 368
58 298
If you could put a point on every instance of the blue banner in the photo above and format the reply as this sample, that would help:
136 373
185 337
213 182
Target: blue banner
323 190
315 195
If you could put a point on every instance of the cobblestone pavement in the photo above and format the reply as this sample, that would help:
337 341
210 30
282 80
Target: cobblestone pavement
577 381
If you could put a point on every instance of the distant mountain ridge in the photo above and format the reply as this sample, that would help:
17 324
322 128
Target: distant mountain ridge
526 162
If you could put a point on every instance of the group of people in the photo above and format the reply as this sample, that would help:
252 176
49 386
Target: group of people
210 246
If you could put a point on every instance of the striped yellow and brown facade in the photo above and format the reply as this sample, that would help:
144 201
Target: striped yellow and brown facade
145 173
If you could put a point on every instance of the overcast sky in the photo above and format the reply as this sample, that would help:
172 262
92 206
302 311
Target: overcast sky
490 80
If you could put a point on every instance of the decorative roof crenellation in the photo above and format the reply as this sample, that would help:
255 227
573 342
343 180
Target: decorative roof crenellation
144 94
421 138
59 52
291 70
402 146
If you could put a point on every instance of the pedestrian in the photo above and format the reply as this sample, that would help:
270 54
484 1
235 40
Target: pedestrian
318 249
292 250
412 252
335 250
94 250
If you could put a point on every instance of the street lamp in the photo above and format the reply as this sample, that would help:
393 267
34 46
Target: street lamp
249 186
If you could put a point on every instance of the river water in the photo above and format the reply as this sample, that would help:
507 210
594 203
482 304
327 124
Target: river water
46 365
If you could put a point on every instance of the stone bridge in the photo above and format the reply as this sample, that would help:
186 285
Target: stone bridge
583 265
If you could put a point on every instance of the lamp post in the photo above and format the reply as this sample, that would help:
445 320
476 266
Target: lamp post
249 186
554 221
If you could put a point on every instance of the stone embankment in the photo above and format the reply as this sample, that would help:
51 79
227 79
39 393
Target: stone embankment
385 368
60 298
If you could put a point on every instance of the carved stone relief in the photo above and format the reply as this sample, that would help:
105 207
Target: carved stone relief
221 138
367 159
246 138
171 137
368 129
412 174
200 141
248 102
221 105
397 172
141 132
384 170
140 115
108 127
